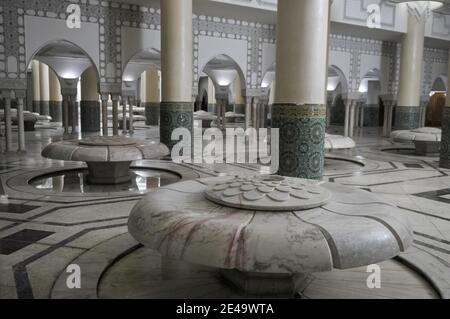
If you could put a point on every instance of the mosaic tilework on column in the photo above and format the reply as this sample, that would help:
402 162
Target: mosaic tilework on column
407 117
151 113
55 108
175 115
302 133
445 143
90 116
371 115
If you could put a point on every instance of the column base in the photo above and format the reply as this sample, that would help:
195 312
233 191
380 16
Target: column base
266 285
45 108
175 115
37 107
55 108
445 141
239 108
152 113
371 115
407 117
302 139
90 116
108 173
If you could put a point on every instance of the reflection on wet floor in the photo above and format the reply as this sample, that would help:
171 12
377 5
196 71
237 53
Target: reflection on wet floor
75 181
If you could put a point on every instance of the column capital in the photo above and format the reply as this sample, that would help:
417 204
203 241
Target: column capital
115 96
21 94
7 94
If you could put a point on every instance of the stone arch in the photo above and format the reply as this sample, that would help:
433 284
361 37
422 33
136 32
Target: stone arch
232 62
140 61
336 71
59 68
439 84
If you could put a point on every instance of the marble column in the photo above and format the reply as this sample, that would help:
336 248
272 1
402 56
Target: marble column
124 124
348 104
445 140
55 103
36 86
177 107
73 105
299 110
389 104
44 89
151 96
248 112
407 114
351 130
20 95
105 98
255 112
131 101
65 113
221 101
89 105
115 113
7 96
424 101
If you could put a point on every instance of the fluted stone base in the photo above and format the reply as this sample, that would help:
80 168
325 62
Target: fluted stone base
55 111
90 116
37 107
152 113
372 115
302 139
445 142
175 115
45 108
407 117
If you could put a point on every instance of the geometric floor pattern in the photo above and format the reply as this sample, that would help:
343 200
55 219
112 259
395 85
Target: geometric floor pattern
42 232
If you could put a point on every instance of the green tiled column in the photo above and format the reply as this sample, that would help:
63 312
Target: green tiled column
407 117
302 134
445 143
175 115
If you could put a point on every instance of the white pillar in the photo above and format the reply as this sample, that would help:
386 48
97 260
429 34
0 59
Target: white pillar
176 66
301 80
411 66
105 98
44 89
115 100
347 118
20 95
7 118
131 116
36 86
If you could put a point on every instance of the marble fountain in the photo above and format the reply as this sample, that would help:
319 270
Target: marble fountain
427 140
206 118
266 235
108 158
338 142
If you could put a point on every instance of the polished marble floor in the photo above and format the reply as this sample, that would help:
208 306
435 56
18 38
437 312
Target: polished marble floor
43 230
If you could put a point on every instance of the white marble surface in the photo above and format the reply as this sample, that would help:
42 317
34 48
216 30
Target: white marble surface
427 134
355 228
104 149
338 142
